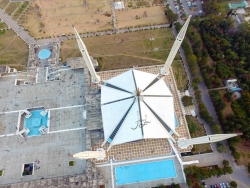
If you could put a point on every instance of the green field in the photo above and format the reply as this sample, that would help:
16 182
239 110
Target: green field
20 10
3 25
13 50
180 75
11 7
196 130
125 50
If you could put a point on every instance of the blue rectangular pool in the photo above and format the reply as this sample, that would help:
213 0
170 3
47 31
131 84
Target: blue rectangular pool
34 122
145 172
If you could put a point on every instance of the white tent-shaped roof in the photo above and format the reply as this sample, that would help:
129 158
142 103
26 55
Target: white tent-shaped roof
136 105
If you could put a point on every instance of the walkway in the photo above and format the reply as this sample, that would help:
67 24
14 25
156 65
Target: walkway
113 15
16 28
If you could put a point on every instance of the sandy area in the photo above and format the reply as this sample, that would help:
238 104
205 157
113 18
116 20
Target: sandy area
54 18
136 17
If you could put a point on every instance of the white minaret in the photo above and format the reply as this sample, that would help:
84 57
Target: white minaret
86 57
184 143
175 48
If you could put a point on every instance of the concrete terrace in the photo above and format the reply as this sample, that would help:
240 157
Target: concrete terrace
64 99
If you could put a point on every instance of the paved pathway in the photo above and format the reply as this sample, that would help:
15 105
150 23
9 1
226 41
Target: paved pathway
113 14
16 28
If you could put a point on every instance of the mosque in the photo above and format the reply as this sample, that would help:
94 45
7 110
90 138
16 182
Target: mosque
69 126
143 123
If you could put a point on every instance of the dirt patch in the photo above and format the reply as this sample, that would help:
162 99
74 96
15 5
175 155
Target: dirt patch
59 16
157 2
4 3
143 3
11 7
136 17
244 149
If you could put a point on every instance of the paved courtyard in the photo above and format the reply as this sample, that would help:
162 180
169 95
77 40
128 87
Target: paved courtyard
50 153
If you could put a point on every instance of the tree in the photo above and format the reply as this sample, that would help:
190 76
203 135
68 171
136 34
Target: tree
225 163
228 170
211 7
248 167
233 184
189 183
173 185
171 15
187 100
221 148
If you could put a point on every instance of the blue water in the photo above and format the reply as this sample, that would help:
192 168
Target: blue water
44 54
34 122
145 172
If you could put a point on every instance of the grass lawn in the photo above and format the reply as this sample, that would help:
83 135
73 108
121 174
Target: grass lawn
4 3
13 50
12 7
224 6
3 25
180 75
124 50
20 10
196 130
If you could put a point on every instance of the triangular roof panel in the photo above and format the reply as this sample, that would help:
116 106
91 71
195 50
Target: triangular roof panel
124 81
112 114
152 127
143 79
164 108
111 94
158 88
127 133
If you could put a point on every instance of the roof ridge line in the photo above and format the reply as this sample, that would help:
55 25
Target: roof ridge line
117 100
115 87
117 128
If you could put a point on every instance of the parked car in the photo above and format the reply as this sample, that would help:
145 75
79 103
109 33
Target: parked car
228 185
204 184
